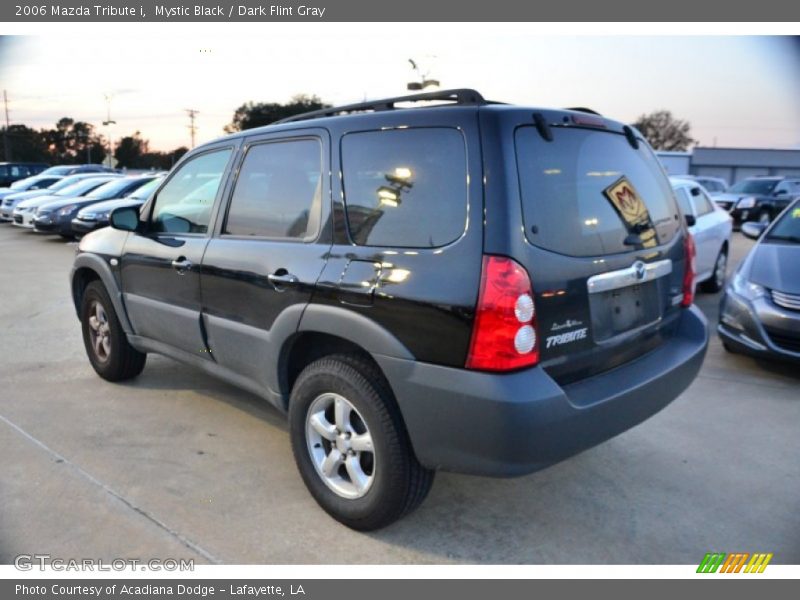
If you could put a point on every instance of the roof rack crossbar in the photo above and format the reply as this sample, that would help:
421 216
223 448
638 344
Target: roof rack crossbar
461 97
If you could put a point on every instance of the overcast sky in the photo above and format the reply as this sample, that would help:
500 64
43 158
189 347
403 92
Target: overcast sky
735 91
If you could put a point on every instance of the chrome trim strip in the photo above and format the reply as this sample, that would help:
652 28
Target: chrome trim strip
639 272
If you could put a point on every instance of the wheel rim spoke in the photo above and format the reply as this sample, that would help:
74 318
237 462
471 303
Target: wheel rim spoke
361 442
332 462
322 426
342 414
358 478
94 324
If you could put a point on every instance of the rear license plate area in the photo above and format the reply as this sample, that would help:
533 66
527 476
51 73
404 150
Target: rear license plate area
624 309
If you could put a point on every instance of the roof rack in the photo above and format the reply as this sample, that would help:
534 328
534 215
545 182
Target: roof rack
460 97
583 109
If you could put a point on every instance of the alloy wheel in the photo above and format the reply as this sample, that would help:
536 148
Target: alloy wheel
340 446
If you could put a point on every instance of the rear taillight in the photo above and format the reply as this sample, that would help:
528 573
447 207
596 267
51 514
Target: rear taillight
504 335
688 273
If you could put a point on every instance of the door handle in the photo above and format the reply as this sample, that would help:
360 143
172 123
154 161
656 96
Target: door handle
181 265
281 277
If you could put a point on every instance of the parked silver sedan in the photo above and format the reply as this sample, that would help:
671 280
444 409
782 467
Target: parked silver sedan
711 228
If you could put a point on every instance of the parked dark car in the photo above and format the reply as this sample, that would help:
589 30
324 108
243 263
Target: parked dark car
11 201
405 324
26 210
65 170
760 311
759 199
56 216
35 182
14 171
95 216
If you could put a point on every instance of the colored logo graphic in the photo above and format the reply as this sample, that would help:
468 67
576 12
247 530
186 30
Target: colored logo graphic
738 562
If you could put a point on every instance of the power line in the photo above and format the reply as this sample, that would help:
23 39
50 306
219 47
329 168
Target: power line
192 128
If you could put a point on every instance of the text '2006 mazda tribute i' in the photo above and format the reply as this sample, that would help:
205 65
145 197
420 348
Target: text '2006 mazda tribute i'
467 286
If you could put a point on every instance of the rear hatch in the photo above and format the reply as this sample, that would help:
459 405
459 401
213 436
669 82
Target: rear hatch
604 242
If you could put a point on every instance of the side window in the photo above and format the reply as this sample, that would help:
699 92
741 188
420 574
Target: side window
782 188
683 201
184 204
702 204
405 187
278 192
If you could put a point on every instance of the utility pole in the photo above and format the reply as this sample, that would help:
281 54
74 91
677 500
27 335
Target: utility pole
6 142
107 123
192 128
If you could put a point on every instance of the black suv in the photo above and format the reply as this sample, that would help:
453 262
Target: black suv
759 199
466 286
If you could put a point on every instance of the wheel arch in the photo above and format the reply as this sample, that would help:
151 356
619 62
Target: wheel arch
88 268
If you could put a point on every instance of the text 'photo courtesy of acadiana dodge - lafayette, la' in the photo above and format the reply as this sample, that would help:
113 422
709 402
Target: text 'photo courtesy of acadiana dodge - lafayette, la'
193 590
173 12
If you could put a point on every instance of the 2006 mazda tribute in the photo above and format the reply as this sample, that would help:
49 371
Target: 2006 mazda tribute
466 286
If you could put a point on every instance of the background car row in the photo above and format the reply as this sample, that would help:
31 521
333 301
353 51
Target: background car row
760 309
51 201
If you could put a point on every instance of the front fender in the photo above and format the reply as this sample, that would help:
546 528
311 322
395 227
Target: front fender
101 268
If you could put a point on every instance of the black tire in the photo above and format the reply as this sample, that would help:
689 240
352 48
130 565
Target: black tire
728 348
717 280
67 237
120 361
400 483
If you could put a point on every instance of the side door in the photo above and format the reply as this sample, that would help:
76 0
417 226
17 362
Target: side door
160 265
706 235
269 247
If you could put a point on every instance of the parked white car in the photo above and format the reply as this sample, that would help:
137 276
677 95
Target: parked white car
711 228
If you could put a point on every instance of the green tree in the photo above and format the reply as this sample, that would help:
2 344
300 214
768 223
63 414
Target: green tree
73 142
665 132
130 150
24 144
256 114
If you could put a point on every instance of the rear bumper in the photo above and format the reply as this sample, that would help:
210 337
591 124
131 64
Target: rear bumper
512 424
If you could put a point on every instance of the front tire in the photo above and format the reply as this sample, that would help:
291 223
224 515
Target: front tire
107 347
351 446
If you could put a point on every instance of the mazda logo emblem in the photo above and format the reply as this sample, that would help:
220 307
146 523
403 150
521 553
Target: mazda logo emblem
640 269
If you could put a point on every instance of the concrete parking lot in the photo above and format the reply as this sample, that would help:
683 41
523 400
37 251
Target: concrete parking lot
176 464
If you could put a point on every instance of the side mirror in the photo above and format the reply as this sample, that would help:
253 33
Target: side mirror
125 218
690 220
753 230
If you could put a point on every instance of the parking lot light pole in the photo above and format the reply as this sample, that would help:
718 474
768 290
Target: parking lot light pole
107 123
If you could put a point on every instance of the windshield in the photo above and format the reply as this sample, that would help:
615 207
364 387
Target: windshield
81 187
787 229
112 189
143 193
589 193
754 186
58 170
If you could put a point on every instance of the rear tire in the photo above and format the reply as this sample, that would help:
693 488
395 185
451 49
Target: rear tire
107 347
717 280
387 481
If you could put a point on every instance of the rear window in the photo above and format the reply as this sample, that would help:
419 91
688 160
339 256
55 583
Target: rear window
566 186
405 187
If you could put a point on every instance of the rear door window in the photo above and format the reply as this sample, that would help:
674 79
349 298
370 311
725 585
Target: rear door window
566 187
405 187
278 192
